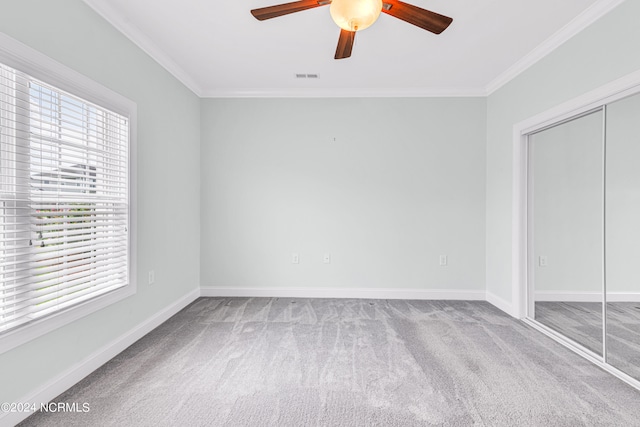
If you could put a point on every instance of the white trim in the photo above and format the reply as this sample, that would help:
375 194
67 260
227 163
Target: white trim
500 303
583 296
562 339
605 337
575 26
347 93
519 231
24 58
606 94
25 333
133 199
360 293
623 297
560 296
122 24
67 379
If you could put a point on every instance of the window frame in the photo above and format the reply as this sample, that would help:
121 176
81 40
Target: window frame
26 59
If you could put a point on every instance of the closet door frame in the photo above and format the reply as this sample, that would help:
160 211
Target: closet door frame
522 293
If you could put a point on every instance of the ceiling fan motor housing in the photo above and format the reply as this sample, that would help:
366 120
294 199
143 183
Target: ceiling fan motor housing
355 15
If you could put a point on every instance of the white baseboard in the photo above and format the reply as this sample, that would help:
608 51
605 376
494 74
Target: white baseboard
500 303
361 293
623 296
77 372
562 296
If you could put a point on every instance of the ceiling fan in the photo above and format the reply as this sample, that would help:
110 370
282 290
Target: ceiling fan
356 15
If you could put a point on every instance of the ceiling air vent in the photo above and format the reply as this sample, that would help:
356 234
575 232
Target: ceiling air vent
307 76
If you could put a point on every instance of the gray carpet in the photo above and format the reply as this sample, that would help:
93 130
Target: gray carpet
623 336
326 362
582 322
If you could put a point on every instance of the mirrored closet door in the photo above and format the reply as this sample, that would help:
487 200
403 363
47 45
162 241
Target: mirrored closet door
566 231
584 232
623 235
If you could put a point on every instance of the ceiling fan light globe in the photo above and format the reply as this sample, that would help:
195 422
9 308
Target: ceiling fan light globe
355 15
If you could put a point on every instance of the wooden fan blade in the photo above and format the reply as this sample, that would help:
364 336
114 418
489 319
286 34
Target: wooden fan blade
417 16
286 8
345 44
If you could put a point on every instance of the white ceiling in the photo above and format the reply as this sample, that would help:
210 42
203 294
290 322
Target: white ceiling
217 48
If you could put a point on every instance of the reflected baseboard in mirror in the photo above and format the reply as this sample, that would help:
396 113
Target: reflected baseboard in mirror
578 321
623 337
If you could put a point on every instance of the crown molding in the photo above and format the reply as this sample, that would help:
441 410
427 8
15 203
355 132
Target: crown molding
347 93
575 26
582 21
122 24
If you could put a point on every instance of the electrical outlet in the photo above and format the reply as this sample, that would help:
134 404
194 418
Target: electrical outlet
295 259
542 261
152 277
327 259
443 260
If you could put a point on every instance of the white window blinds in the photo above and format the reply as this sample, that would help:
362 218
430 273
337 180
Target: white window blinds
64 205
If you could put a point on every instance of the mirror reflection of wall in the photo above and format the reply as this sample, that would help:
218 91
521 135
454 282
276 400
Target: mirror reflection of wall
623 235
566 193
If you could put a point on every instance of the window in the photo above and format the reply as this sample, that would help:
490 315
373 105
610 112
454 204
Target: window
65 230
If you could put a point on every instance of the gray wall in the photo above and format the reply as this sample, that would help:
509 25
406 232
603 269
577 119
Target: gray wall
402 183
607 50
168 181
